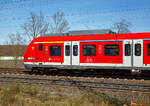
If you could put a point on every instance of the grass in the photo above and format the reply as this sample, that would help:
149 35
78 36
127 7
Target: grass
23 95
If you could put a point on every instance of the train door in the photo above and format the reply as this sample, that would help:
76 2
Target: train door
127 55
75 52
67 53
137 53
40 53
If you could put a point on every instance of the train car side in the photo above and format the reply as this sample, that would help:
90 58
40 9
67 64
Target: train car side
111 51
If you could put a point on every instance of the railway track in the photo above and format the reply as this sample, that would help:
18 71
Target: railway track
125 79
77 83
126 90
127 87
136 82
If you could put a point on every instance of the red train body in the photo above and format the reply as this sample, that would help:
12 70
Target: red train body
99 51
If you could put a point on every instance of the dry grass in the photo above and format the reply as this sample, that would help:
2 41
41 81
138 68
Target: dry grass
22 95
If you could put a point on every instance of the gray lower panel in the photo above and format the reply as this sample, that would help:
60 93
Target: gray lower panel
30 66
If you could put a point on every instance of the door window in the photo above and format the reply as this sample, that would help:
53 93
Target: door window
127 49
75 50
137 49
40 47
67 50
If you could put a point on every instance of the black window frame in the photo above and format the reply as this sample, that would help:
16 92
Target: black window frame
52 50
88 50
127 50
67 50
110 49
40 47
137 52
148 49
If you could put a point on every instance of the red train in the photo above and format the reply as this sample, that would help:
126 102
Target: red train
98 51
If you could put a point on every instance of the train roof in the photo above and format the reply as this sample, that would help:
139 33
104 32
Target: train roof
145 35
82 32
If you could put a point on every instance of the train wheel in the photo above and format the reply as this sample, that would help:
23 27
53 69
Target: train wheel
33 70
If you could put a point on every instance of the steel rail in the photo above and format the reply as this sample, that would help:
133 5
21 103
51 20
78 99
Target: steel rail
77 83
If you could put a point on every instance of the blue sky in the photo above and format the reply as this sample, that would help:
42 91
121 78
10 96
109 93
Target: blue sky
81 14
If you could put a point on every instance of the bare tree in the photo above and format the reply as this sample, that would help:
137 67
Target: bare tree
122 26
35 26
16 44
16 39
59 24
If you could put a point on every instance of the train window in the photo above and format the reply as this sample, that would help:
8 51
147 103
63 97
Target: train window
67 50
40 47
148 49
137 49
89 50
75 50
55 50
111 50
127 50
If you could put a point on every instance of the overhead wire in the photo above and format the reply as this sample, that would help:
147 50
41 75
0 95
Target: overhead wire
83 14
74 12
